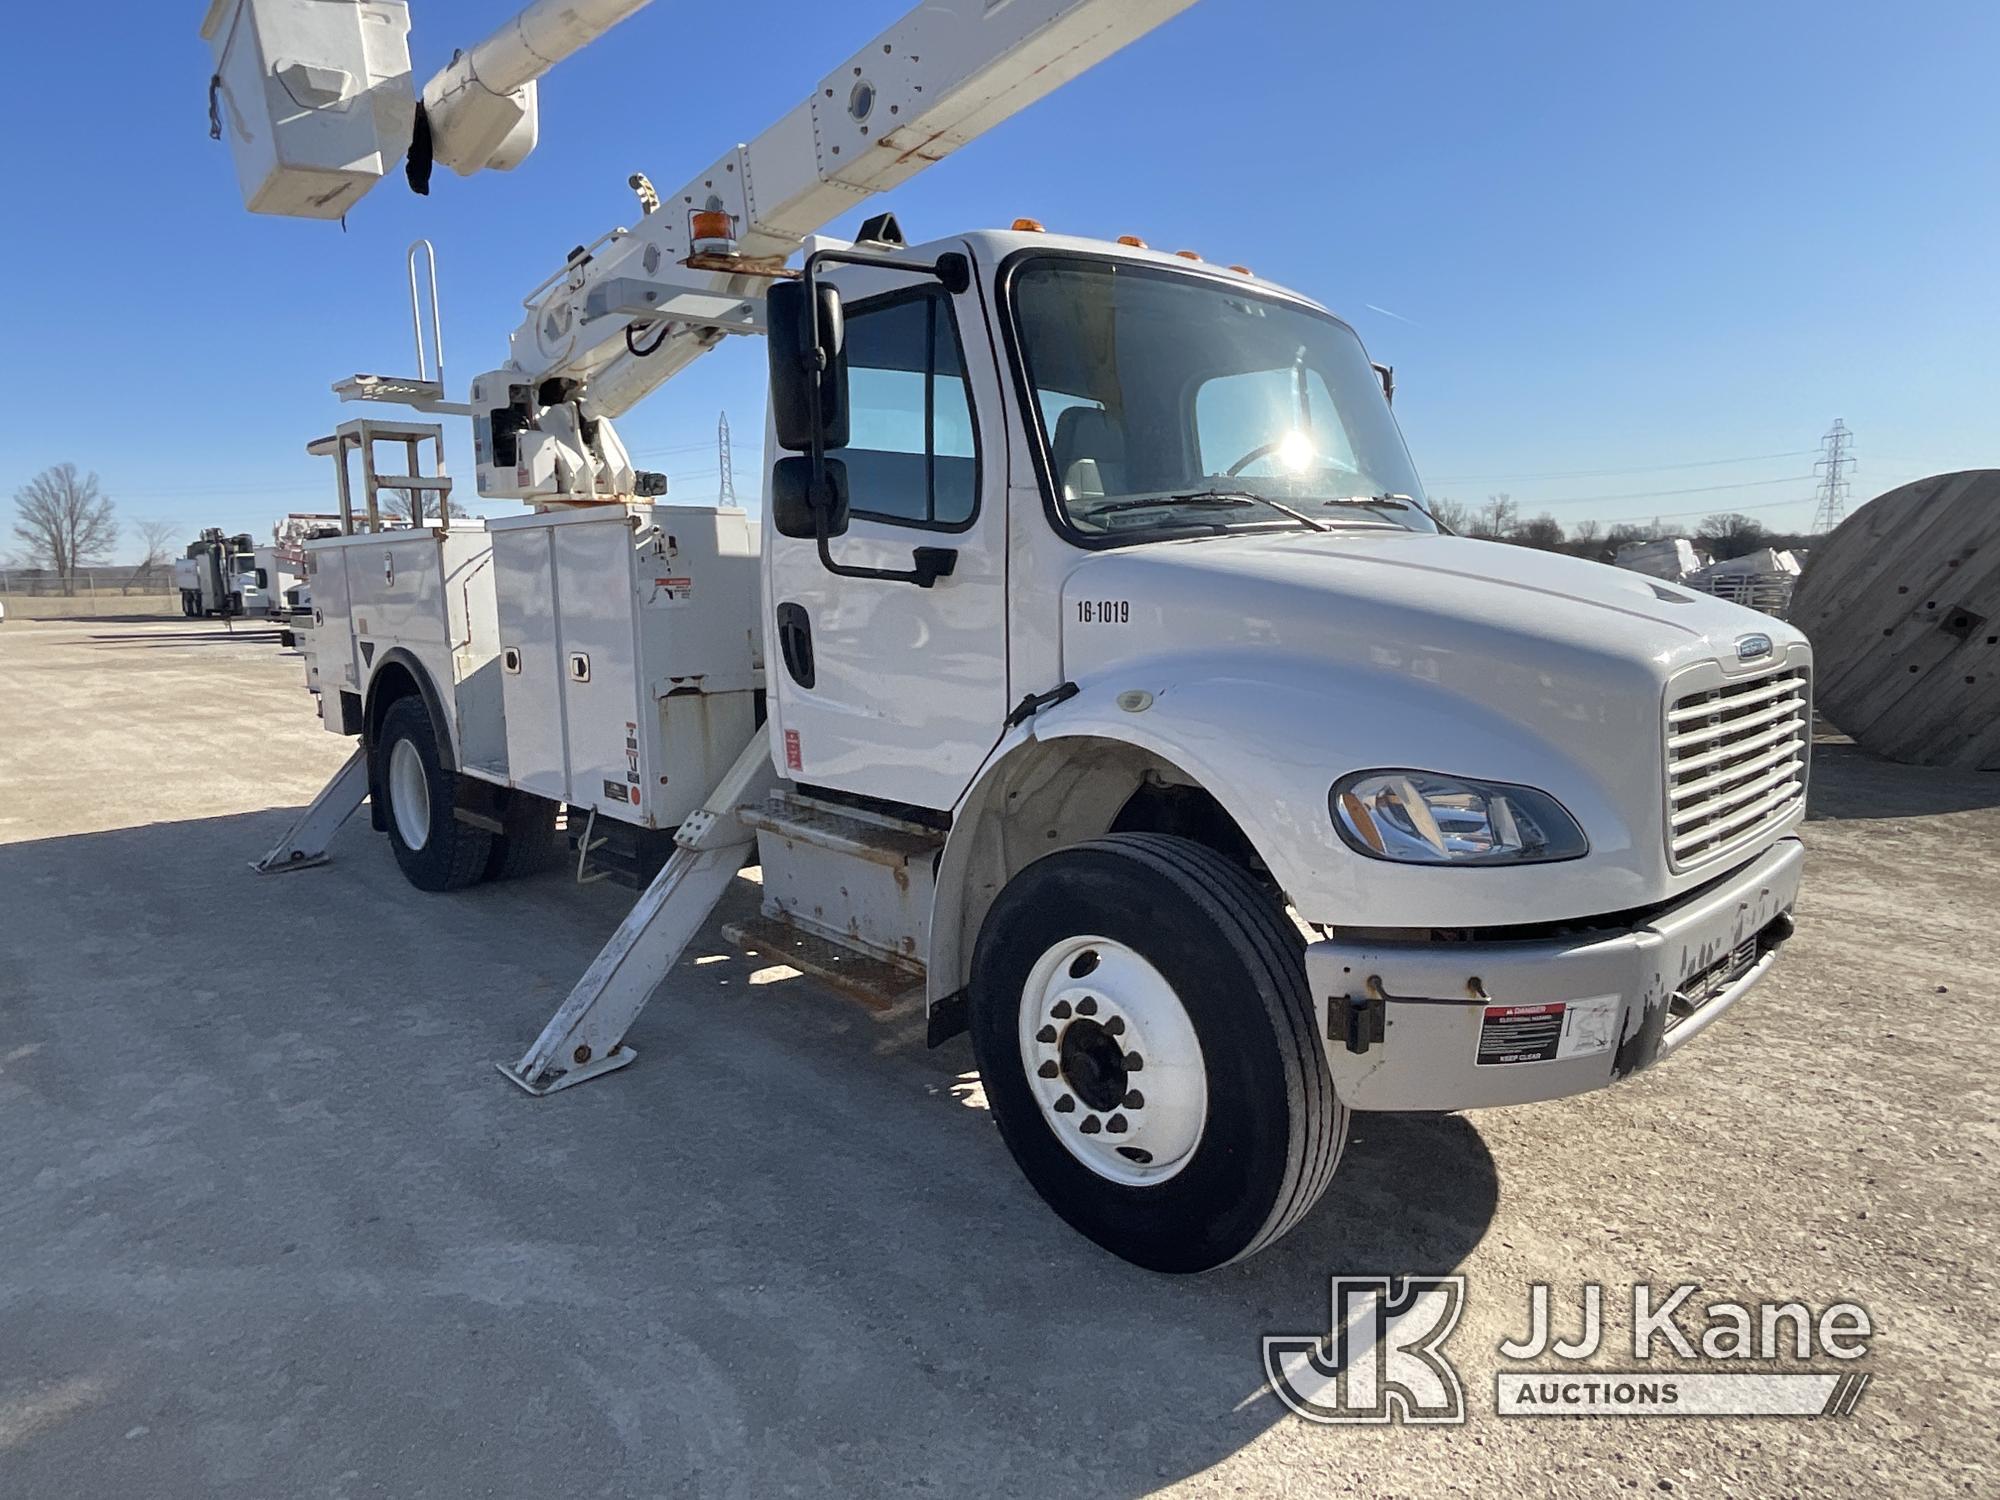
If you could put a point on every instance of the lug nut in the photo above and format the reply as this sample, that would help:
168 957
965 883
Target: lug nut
1046 1034
1135 1100
1087 1006
1115 1026
1091 1126
1064 1105
1116 1125
1047 1070
1134 1062
1060 1010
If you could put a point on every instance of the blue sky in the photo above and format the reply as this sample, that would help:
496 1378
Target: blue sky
1628 255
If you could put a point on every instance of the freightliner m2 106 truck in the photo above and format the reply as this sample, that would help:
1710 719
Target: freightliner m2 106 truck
1095 672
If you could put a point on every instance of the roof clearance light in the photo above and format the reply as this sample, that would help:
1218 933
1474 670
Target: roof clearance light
1133 240
711 233
1029 226
1243 270
1187 254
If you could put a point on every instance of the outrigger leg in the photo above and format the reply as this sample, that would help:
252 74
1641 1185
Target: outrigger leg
586 1035
304 843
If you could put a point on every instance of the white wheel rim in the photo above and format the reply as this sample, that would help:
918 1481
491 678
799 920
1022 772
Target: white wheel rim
1113 1061
409 796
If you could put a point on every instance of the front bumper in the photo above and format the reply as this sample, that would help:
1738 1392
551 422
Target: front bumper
1437 1026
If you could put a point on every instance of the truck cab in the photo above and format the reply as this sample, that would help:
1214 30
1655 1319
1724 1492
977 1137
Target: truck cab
1112 566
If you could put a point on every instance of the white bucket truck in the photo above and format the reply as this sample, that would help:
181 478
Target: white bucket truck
1119 695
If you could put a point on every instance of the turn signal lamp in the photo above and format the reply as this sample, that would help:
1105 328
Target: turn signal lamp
1029 226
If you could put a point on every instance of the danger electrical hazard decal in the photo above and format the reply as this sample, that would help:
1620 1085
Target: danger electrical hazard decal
1544 1033
668 591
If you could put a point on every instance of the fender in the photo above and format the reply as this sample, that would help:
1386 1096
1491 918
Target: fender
1267 735
371 717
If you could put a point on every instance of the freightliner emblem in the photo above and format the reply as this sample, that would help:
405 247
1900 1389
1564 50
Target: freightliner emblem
1750 647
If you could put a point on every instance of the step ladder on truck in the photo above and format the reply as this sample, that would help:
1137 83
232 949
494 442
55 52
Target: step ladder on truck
1095 672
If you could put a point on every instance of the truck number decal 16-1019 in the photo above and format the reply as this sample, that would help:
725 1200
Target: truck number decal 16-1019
1104 611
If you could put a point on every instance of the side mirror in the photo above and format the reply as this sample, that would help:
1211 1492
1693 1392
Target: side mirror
1387 375
792 497
797 367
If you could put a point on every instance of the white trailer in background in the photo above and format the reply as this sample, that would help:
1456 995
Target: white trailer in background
1119 700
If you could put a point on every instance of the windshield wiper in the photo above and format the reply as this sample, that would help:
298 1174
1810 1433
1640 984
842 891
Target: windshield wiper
1206 498
1374 502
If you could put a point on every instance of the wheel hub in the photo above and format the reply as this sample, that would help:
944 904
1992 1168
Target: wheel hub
409 796
1092 1064
1113 1060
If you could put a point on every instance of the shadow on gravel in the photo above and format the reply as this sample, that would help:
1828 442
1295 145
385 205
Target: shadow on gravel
260 1168
1849 782
259 635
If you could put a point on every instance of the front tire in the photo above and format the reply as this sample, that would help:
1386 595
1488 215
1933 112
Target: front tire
435 850
1150 1051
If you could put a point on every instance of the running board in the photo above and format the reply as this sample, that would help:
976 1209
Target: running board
586 1036
304 843
880 984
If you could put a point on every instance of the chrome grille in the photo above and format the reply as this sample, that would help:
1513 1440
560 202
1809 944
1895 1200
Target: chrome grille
1736 762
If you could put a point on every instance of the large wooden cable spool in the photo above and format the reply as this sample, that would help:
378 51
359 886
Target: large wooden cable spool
1902 603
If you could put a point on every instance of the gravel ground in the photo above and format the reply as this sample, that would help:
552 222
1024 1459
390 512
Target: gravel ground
270 1224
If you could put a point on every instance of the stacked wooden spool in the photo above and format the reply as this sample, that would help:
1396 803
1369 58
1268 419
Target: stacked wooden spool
1903 606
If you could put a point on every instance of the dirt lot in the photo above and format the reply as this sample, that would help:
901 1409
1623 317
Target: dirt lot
270 1224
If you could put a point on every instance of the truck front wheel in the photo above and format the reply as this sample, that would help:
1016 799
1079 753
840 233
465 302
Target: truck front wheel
435 850
1148 1046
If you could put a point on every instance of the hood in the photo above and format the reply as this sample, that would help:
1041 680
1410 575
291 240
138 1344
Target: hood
1277 662
1443 606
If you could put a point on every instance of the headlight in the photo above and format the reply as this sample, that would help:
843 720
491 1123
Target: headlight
1417 817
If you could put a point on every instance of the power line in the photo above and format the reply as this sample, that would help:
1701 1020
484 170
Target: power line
1703 489
1700 463
1832 468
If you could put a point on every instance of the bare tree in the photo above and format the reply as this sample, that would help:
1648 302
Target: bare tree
1624 533
1497 517
157 537
65 520
1545 532
1451 515
397 503
1731 535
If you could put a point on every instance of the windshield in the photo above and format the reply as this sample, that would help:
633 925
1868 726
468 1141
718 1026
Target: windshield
1174 403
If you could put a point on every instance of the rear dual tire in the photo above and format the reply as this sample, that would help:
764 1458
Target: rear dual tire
435 850
1150 1052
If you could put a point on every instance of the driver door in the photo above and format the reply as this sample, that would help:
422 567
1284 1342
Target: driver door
881 687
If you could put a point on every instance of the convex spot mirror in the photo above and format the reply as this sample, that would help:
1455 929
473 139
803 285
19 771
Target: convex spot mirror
792 497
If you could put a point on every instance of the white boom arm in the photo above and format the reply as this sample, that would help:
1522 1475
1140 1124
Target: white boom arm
480 110
938 79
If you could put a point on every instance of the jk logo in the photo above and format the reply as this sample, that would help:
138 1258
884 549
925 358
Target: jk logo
1381 1361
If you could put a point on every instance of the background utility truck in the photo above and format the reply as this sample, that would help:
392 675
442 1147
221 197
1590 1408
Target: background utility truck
213 574
1096 670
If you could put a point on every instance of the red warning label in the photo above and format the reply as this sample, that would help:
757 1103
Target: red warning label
793 760
1520 1034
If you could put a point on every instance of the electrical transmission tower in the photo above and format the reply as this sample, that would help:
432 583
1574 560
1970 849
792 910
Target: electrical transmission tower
727 495
1832 469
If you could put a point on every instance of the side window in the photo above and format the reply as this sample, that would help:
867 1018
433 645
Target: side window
910 453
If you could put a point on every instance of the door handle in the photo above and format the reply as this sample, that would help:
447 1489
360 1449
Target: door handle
795 642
